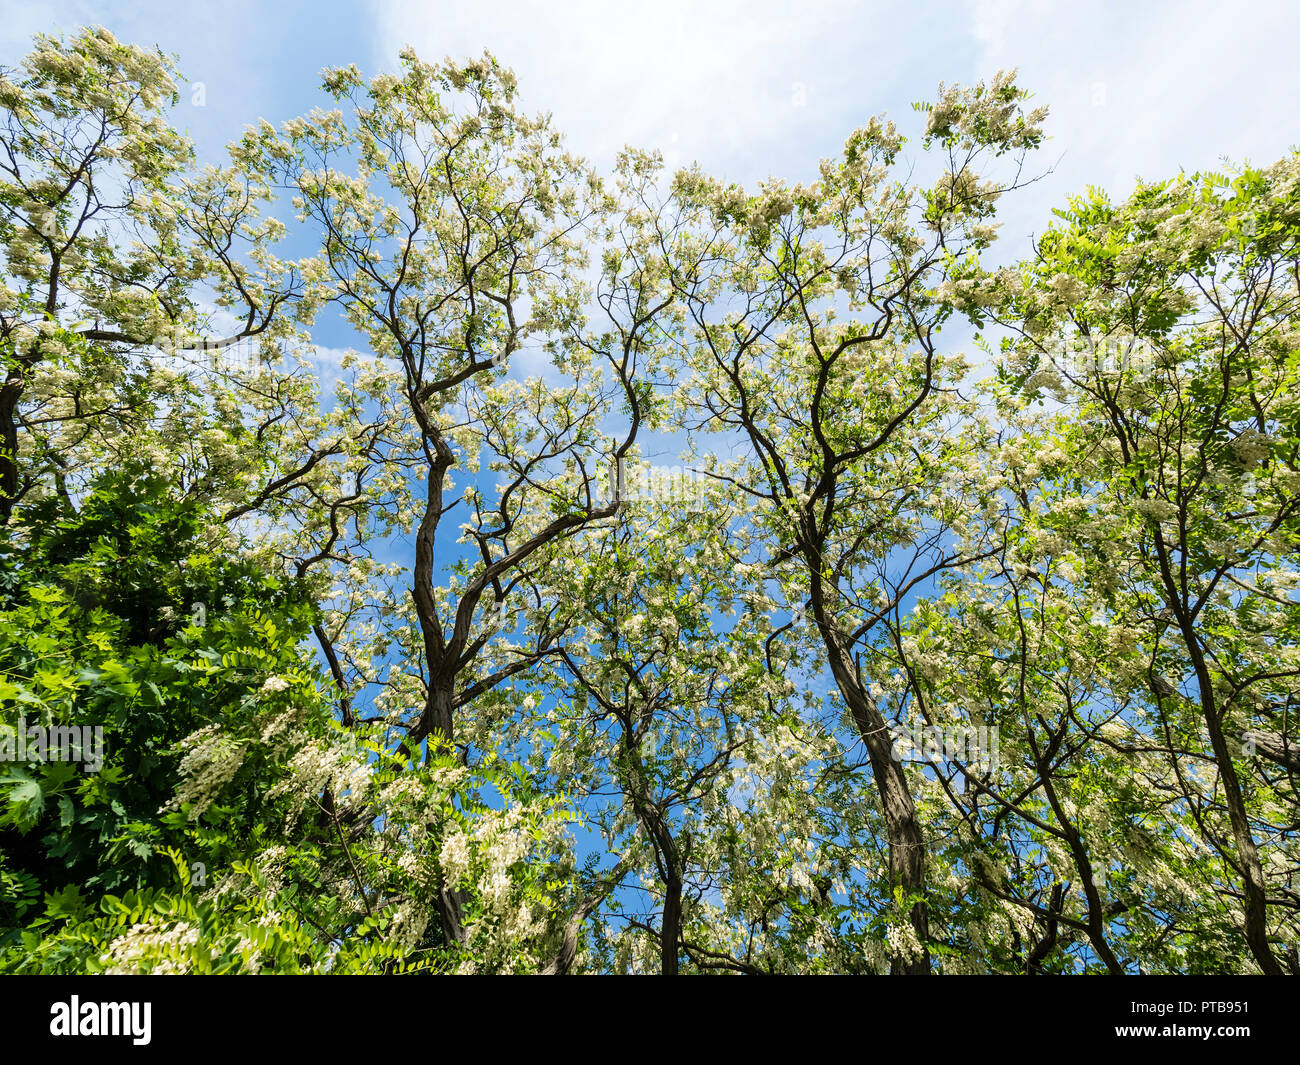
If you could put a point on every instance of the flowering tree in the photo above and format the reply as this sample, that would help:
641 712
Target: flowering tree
914 672
115 248
846 418
1168 324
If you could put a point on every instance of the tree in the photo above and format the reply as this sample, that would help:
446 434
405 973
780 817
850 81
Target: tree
1167 322
113 246
837 416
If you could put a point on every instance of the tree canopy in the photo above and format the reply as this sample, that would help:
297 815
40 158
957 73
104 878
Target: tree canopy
963 636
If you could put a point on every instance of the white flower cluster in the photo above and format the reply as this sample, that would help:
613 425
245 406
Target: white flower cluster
160 950
1160 510
903 942
211 760
454 857
320 764
408 925
274 684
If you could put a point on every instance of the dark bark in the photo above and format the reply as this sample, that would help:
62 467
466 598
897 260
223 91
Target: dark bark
9 394
1247 858
902 823
1044 947
1276 748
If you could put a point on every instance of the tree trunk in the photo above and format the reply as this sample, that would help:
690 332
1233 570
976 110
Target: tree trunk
9 393
902 825
1256 917
671 931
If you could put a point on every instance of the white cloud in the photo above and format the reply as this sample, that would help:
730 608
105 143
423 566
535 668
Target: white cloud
766 86
1134 88
731 83
1142 90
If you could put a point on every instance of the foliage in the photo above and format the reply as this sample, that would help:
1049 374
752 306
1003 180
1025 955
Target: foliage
413 663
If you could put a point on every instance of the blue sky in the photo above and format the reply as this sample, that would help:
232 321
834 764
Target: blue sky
751 88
